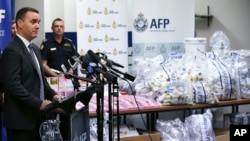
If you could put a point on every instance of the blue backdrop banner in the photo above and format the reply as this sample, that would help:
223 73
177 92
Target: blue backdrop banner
5 23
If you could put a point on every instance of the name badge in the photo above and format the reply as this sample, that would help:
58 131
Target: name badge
52 49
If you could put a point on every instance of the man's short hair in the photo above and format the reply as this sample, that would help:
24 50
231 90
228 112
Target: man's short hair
22 12
57 19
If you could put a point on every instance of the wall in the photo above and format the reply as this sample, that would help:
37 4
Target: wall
64 9
230 16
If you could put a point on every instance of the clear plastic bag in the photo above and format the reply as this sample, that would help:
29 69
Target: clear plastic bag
239 118
200 127
219 42
244 74
172 130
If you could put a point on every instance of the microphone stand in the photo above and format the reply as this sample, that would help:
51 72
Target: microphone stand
100 108
110 121
98 84
116 93
113 91
76 84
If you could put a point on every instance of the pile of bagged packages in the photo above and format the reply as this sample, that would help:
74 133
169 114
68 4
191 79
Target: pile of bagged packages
197 127
202 77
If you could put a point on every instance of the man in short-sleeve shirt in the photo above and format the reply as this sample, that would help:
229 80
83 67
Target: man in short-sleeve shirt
57 50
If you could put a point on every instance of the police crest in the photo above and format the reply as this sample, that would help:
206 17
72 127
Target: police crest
140 23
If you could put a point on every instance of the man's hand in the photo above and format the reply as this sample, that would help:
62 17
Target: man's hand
44 104
57 96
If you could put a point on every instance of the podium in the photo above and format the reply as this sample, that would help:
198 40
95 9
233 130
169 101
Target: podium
79 122
79 119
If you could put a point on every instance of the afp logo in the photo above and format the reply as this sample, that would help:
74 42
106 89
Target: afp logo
2 14
155 25
159 23
140 23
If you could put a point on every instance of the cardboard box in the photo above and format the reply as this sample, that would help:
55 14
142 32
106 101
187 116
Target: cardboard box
222 134
143 136
125 131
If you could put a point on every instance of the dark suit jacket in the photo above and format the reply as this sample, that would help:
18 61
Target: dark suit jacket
21 87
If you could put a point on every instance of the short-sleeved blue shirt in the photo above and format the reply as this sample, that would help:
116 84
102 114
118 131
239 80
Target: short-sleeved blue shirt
57 54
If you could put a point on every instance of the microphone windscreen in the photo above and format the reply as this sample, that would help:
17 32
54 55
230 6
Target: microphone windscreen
95 57
86 59
109 63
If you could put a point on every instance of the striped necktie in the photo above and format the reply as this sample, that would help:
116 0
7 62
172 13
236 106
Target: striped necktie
32 53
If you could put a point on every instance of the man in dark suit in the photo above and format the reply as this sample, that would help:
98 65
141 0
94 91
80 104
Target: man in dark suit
22 77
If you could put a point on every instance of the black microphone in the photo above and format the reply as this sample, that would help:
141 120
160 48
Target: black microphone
115 63
108 75
98 60
124 75
87 64
92 68
85 60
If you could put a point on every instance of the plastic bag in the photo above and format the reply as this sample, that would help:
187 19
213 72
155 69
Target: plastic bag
219 42
172 130
200 127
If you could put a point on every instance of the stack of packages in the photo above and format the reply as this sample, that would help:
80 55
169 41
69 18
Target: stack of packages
203 77
195 128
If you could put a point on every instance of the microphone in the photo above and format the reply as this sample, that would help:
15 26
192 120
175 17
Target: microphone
64 68
73 66
91 68
124 75
69 75
74 61
106 65
115 63
87 64
56 71
98 60
85 60
65 72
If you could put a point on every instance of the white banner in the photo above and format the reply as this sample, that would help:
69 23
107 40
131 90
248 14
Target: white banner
102 27
159 27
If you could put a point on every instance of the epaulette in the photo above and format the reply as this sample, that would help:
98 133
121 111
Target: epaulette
42 45
68 39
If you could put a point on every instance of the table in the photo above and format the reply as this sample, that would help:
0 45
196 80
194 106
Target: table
152 113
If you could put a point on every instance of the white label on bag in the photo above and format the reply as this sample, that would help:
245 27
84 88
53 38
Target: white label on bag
199 94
